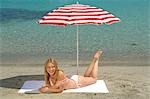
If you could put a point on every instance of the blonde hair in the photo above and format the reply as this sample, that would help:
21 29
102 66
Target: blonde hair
46 74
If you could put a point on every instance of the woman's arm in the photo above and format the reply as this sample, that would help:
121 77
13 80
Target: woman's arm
55 90
51 90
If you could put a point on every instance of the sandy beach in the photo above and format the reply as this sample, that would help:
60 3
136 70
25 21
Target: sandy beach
123 82
25 45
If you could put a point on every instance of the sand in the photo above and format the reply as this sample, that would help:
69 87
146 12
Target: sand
123 82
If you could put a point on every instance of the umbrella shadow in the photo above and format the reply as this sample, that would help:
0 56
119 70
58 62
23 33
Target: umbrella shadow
17 81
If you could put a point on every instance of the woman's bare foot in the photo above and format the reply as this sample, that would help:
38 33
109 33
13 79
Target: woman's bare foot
98 54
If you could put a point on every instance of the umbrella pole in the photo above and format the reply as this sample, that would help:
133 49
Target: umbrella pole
77 49
78 53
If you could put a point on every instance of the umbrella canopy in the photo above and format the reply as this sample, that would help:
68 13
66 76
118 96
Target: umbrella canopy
78 14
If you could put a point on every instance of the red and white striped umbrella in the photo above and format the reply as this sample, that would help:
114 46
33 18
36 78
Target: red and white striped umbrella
78 14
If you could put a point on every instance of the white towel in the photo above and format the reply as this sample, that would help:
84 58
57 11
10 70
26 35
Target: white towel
32 86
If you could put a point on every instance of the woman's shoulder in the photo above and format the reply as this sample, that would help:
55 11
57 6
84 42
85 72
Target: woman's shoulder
61 75
61 72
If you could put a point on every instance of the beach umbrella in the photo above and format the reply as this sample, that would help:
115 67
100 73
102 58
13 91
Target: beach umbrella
76 14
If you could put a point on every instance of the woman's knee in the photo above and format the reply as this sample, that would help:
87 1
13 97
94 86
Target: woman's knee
94 79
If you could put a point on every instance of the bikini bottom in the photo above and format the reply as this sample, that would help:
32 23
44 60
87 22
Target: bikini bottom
76 79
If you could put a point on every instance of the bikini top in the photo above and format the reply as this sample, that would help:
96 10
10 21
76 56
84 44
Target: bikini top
61 83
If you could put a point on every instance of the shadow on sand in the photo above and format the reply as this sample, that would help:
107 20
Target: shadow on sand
17 81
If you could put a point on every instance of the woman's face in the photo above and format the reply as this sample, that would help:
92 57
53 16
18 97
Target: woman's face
51 69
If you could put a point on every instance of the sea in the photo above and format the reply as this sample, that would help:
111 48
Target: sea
23 41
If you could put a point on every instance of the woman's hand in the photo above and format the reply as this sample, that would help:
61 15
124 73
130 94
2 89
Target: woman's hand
47 89
44 89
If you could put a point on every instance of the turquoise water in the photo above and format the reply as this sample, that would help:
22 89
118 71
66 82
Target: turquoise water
24 41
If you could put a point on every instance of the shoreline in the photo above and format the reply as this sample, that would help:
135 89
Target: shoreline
83 63
71 60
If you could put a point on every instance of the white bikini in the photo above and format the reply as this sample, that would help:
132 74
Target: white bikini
76 79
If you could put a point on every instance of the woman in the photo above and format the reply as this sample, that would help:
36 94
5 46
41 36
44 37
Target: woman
56 80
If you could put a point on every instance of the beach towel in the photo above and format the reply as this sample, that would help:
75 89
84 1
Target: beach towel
32 86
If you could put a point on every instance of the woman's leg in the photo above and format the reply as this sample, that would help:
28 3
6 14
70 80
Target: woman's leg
90 76
92 70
